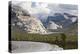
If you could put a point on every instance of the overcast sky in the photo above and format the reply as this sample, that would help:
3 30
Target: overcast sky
39 7
42 10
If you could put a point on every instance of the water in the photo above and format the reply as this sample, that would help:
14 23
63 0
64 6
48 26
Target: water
28 46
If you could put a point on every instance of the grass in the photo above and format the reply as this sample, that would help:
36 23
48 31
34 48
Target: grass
70 41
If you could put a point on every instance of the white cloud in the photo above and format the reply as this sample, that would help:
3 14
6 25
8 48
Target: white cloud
44 8
39 7
61 8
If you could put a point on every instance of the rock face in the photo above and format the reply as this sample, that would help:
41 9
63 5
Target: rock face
32 24
25 21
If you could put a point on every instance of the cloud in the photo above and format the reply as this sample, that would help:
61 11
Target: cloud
61 8
33 7
39 7
45 9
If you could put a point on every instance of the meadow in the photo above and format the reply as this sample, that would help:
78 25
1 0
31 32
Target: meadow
61 39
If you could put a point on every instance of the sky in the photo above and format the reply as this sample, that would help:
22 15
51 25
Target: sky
43 10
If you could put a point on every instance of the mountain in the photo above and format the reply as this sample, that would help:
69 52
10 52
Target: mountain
72 17
73 27
61 19
53 25
22 20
